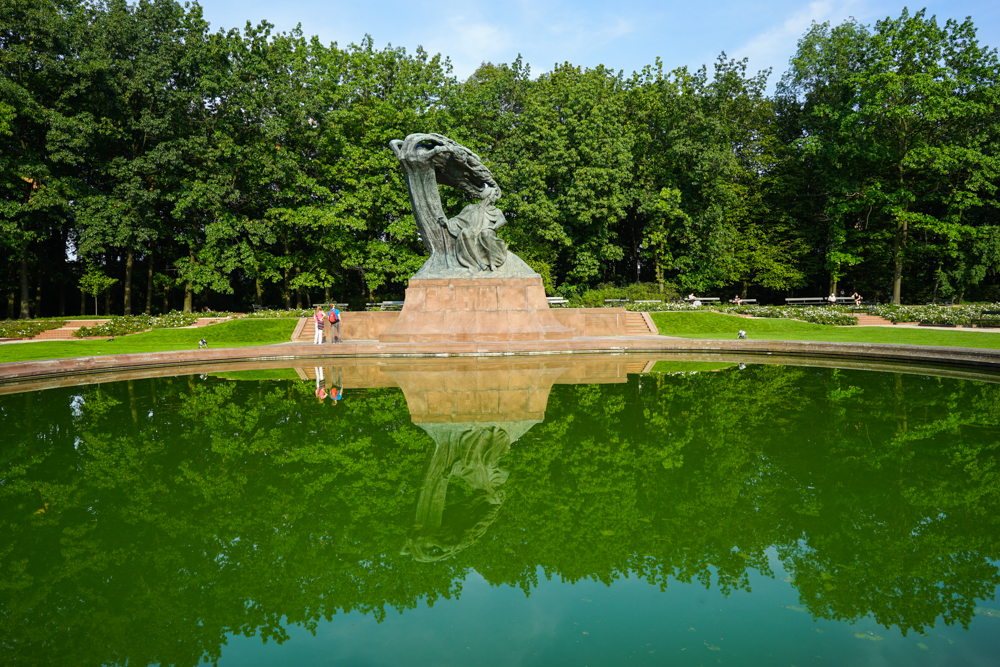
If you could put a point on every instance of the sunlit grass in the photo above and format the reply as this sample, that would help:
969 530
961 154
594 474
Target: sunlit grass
687 324
238 333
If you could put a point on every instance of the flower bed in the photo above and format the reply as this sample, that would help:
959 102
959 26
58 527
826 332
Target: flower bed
836 315
939 315
129 324
294 312
670 306
27 328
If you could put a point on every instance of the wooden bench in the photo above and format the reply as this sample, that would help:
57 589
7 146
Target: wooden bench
744 302
808 301
988 318
648 301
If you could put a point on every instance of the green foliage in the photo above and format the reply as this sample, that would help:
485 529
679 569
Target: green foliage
594 298
252 166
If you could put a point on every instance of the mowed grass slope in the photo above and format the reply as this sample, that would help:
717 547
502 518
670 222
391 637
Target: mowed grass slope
237 333
703 324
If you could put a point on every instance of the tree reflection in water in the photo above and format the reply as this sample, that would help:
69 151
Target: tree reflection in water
144 521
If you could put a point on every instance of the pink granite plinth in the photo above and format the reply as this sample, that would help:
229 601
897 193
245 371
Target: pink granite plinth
475 310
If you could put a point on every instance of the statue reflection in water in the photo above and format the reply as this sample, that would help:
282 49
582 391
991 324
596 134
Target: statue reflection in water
466 460
474 411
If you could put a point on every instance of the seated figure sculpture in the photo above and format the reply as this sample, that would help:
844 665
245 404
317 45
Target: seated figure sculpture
477 246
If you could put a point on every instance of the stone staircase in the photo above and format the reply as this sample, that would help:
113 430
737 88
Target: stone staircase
871 320
637 325
67 330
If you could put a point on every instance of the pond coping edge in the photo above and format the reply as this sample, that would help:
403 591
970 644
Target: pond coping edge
938 355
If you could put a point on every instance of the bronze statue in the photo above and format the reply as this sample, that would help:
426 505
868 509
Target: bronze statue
467 245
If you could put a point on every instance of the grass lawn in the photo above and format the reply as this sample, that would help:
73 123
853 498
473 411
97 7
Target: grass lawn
687 324
238 333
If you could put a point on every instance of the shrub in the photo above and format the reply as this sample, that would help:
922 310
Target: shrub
595 297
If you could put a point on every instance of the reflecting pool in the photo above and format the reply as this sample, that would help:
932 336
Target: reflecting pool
499 511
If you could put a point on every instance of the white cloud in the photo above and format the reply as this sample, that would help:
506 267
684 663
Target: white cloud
774 46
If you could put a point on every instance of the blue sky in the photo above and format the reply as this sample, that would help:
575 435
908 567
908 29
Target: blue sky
625 35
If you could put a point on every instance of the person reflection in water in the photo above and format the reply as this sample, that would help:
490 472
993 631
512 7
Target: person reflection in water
320 389
474 229
334 382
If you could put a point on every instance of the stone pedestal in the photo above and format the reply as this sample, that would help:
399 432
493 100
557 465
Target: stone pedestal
475 309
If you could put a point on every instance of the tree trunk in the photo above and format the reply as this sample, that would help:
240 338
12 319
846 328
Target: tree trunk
149 283
298 290
107 303
38 288
11 298
833 284
897 262
166 299
326 294
286 293
188 292
129 261
260 298
83 303
25 305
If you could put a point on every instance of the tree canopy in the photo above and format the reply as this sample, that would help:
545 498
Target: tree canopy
246 166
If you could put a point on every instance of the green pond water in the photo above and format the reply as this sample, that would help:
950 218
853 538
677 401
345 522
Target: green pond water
719 514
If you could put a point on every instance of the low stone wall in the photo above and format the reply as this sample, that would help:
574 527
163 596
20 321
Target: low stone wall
369 325
592 321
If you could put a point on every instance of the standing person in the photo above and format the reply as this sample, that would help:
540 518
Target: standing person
335 322
318 321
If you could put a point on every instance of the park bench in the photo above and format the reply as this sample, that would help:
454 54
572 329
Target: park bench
324 304
745 301
648 301
556 300
257 308
807 301
616 302
988 318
